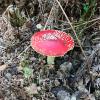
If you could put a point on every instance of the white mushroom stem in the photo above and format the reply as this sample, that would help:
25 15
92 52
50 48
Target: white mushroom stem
50 60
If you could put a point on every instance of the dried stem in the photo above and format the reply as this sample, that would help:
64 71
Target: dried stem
43 28
72 28
49 17
87 22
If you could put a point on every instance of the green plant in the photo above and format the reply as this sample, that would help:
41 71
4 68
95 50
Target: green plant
88 9
86 14
27 71
17 20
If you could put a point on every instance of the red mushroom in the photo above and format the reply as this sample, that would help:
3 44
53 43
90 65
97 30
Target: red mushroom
52 43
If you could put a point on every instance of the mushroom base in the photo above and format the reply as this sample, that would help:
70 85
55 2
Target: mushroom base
50 60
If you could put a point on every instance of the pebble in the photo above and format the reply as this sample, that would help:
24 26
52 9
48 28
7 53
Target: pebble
73 97
33 59
56 89
63 95
66 66
97 83
8 76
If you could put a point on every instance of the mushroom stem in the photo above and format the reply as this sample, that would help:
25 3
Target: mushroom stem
50 60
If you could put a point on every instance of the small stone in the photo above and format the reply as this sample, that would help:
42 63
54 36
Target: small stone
34 98
66 66
32 89
33 59
57 83
82 88
60 75
39 26
8 76
3 67
73 97
97 83
98 45
56 89
63 95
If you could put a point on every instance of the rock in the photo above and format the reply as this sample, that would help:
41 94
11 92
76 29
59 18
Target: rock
34 98
32 89
3 67
11 69
63 95
97 83
73 97
56 89
82 88
33 59
8 76
66 66
56 82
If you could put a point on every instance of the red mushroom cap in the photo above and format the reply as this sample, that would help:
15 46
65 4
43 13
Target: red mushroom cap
52 42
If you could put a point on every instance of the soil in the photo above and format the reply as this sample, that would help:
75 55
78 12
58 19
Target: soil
25 74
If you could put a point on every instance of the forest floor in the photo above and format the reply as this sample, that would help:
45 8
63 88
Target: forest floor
25 74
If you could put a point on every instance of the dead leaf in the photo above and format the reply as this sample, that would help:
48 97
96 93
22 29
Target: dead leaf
32 89
3 67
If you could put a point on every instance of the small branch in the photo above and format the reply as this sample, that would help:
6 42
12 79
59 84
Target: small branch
23 51
43 28
96 19
48 18
72 28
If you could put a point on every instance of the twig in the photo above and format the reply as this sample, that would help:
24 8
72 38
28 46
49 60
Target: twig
96 19
75 26
43 28
87 22
72 28
48 18
90 25
81 70
23 51
78 26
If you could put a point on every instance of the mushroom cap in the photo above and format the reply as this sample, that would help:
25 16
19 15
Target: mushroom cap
52 42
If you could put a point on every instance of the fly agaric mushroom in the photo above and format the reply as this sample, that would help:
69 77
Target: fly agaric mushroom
52 43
